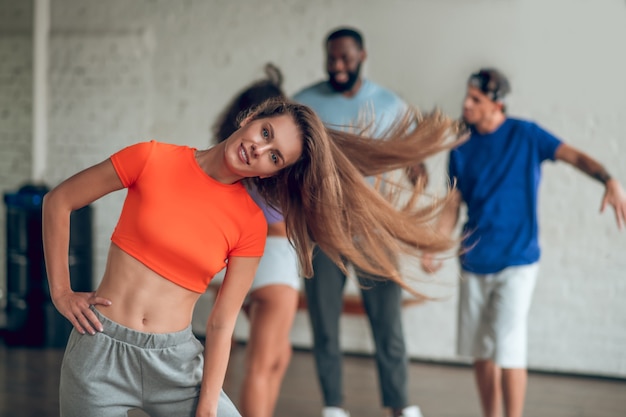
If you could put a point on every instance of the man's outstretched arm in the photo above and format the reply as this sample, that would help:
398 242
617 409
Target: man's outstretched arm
614 194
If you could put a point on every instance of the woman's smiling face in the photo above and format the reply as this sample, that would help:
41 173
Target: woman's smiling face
262 147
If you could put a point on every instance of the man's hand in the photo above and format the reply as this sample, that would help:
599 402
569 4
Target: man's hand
429 264
415 172
616 197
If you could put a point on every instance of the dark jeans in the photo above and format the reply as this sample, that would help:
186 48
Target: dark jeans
382 302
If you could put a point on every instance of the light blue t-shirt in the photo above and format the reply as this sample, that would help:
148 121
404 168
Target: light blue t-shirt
498 176
371 104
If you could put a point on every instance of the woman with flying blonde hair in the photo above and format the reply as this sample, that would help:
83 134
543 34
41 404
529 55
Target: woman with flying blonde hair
187 215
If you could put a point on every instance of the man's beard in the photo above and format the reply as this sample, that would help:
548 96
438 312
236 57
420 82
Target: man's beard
353 77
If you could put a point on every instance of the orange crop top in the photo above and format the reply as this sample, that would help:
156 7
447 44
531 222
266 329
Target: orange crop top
180 222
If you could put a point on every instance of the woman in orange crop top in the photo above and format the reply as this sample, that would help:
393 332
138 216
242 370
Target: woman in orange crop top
186 215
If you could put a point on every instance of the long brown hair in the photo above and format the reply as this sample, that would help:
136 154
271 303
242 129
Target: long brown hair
326 200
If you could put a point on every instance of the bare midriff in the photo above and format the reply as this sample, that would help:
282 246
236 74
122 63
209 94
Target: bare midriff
141 299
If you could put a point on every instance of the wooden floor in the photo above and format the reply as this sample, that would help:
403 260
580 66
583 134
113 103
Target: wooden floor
29 387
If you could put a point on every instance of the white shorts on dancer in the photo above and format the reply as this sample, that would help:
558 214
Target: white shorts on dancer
493 315
278 266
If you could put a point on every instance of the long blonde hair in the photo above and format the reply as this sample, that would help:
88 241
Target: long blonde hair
326 200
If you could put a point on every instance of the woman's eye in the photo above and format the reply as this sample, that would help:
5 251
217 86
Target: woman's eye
274 158
265 133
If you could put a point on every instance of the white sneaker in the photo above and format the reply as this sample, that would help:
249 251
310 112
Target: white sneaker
411 411
334 412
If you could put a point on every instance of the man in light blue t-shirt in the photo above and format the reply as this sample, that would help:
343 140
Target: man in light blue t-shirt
498 171
346 101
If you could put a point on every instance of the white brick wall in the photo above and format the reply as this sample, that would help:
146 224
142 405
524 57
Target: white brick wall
125 71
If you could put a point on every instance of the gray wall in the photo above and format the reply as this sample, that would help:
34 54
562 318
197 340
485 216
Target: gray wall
123 71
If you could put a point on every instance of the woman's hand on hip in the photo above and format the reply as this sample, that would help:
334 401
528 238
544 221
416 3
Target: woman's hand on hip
75 306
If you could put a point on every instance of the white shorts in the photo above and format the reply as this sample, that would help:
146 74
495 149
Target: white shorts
278 266
493 315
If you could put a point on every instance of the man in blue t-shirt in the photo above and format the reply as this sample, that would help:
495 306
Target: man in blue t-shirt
497 173
348 101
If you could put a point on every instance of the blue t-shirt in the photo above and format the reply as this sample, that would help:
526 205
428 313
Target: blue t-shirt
372 103
498 176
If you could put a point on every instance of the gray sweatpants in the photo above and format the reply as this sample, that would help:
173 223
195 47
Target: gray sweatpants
121 369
